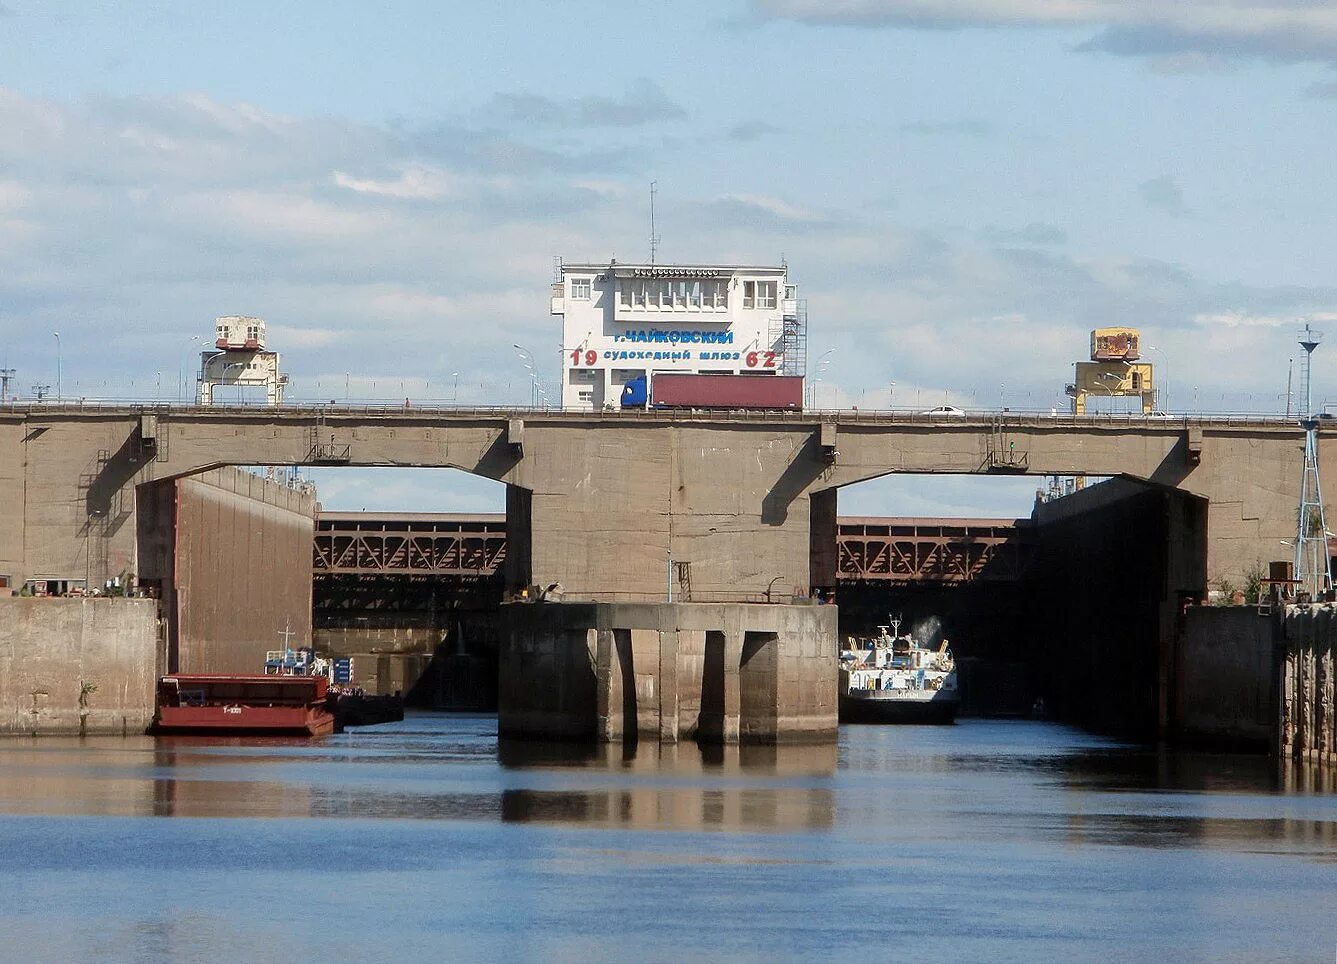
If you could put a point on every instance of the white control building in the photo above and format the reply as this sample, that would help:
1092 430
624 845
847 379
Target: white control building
240 360
620 321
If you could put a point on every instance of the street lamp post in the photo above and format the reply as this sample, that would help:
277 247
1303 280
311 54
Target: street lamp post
181 376
455 392
527 359
822 362
56 334
1165 380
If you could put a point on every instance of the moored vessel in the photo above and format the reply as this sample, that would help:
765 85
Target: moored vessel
350 704
276 705
889 678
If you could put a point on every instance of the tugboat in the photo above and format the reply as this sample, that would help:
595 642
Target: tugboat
350 705
889 678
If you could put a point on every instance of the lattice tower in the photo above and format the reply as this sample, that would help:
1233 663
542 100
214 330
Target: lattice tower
1313 566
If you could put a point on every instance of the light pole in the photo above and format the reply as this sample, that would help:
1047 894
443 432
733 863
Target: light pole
528 360
455 392
181 376
348 376
56 334
158 391
822 362
1165 380
891 394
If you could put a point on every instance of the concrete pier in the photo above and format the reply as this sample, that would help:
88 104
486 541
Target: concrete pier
712 672
77 665
1308 724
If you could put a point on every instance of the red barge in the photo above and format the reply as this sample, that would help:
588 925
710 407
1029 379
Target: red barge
243 704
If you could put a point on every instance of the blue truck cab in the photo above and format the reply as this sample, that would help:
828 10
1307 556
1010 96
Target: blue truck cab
636 393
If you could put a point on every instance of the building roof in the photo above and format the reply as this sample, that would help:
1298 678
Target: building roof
690 266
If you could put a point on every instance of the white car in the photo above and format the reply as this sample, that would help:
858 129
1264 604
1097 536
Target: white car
951 410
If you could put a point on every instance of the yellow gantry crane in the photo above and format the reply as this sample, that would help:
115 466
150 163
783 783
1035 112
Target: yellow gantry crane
1113 371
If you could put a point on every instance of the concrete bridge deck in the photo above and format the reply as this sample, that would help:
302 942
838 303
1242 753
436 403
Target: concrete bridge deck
610 505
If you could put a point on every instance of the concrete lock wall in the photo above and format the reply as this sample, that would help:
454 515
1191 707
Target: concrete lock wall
1225 691
713 672
1308 718
230 553
77 665
1120 560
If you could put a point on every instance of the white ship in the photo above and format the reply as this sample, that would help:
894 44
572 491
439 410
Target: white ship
889 678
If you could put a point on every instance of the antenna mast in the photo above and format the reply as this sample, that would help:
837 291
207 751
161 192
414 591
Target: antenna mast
654 238
1313 567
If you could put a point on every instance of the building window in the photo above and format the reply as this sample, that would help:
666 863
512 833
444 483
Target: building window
624 294
252 332
720 293
638 293
759 294
580 289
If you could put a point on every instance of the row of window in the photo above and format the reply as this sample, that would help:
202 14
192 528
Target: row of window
252 332
703 295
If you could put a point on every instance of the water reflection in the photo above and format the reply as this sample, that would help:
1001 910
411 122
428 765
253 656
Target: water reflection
680 786
976 781
430 837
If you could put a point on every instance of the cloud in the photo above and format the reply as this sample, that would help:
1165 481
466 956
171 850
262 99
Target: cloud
403 255
153 215
757 208
414 182
968 128
290 338
1033 233
752 130
1285 31
1164 194
643 103
1322 91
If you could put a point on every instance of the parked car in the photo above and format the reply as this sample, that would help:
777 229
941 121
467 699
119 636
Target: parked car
946 410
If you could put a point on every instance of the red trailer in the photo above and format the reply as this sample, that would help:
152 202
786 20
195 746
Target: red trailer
672 390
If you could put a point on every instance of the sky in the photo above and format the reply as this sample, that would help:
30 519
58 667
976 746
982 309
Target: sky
962 189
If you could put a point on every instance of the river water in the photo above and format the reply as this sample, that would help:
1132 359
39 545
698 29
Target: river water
428 839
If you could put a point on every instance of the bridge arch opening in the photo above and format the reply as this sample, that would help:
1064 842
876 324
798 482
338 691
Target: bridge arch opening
409 567
1049 596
